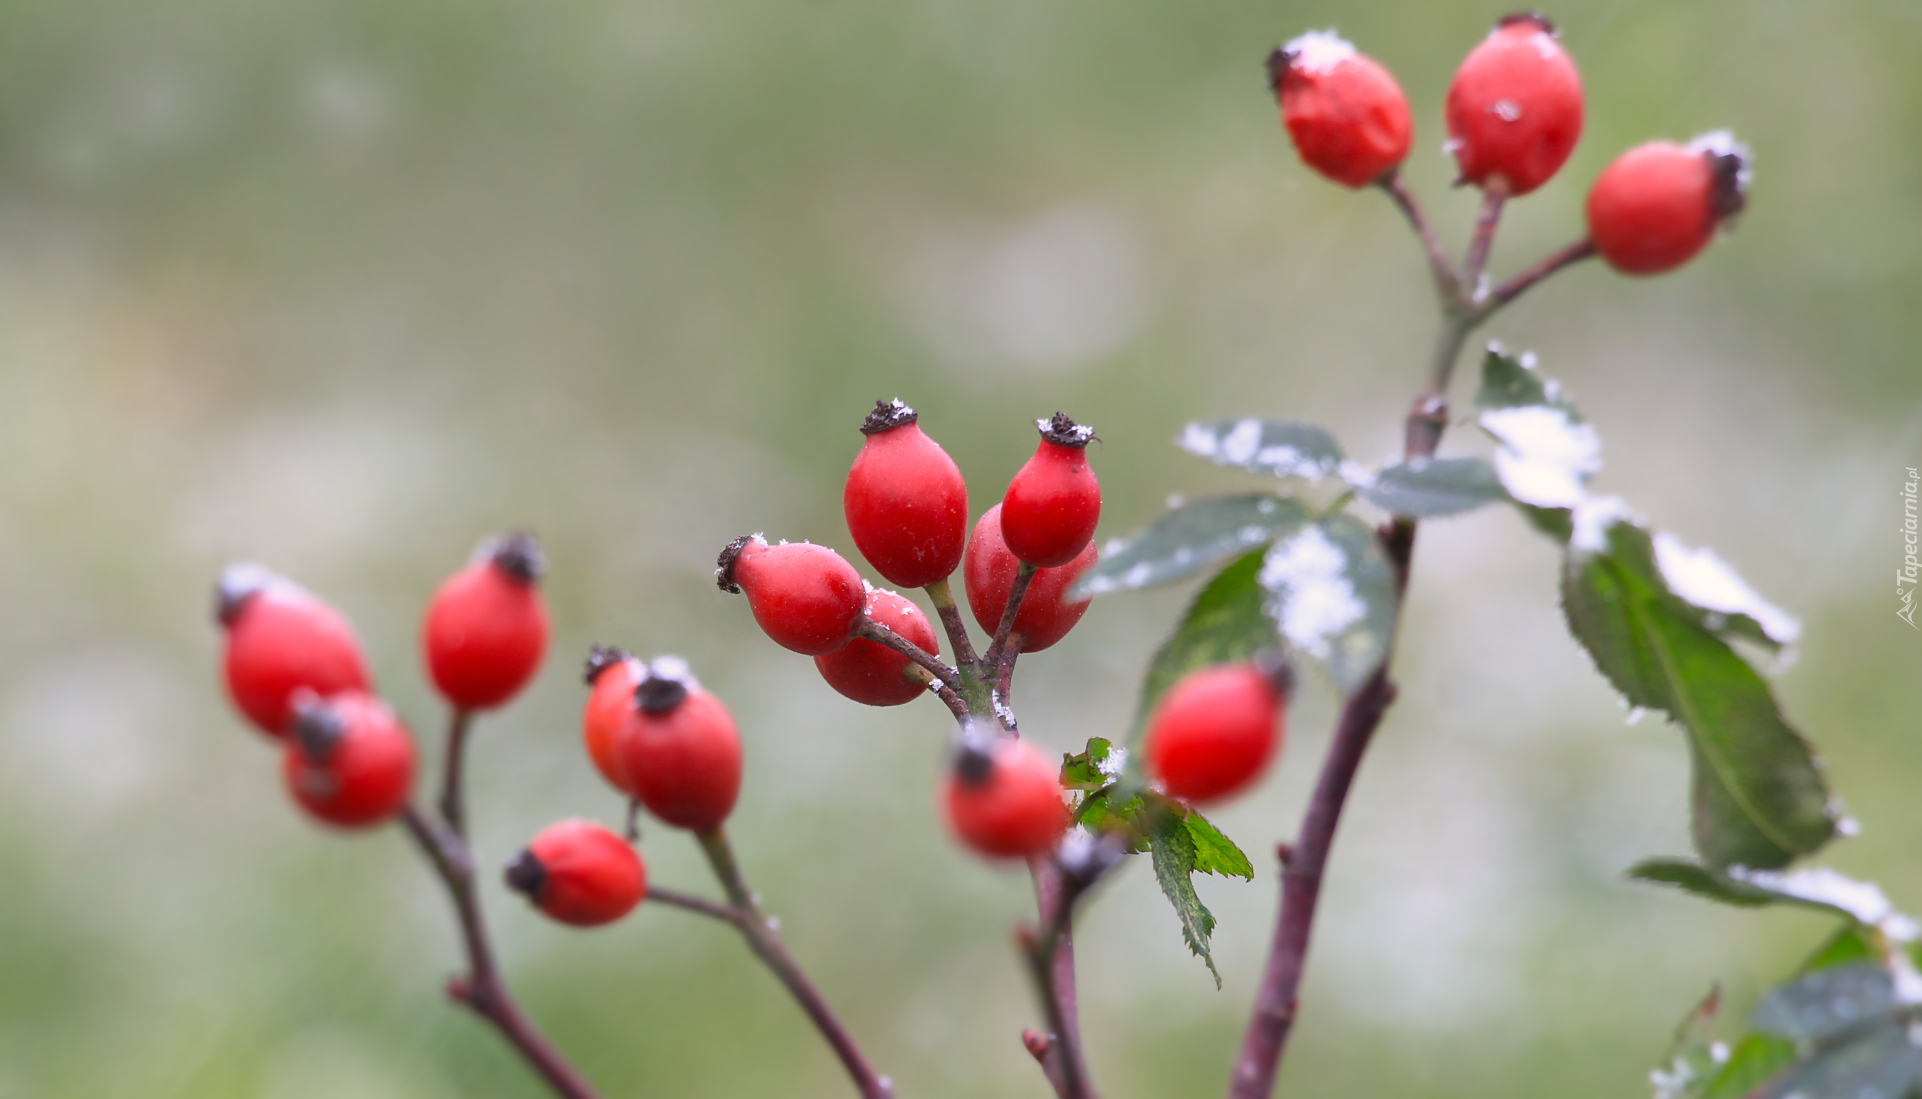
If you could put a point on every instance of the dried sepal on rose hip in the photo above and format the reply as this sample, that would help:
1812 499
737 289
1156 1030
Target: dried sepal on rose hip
1214 732
349 762
1514 108
1049 512
873 674
1348 117
280 640
1658 205
486 627
680 749
612 674
906 504
1046 614
579 873
1003 797
805 597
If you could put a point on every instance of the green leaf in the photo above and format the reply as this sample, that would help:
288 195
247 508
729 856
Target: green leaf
1433 487
1216 853
1880 1061
1225 623
1827 1003
1815 887
1265 446
1332 595
1189 538
1116 809
1172 848
1850 943
1758 797
1754 1059
1510 381
1084 770
1691 877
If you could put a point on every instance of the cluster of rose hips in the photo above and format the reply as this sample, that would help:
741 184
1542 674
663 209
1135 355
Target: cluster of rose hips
295 669
1513 113
906 505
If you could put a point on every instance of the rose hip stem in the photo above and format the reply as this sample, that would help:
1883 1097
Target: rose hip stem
754 925
482 989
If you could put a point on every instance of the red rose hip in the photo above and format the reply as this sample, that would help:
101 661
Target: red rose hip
906 504
486 628
611 676
1003 800
349 762
680 750
873 674
804 597
1345 112
1214 731
579 873
1514 109
1659 204
1051 507
280 640
1046 615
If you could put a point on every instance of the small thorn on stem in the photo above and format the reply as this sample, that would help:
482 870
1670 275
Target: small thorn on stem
460 990
1285 854
1037 1043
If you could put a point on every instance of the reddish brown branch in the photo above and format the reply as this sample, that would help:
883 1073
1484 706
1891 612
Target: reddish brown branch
766 945
1553 262
481 988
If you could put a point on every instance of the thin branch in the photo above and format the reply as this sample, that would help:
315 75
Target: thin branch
881 635
453 802
761 938
1275 1005
1481 243
1553 262
1050 957
701 905
1003 695
950 614
1447 283
1023 576
949 697
482 989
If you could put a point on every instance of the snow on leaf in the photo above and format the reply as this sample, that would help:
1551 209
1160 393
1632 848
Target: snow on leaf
1864 901
1704 579
1264 446
1331 593
1308 575
1546 456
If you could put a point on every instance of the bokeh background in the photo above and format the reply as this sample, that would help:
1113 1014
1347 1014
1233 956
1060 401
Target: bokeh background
344 286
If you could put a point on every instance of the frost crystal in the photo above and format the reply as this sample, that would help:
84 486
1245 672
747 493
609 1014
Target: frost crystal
1116 761
1705 580
1545 458
1317 52
1241 442
1863 900
1306 574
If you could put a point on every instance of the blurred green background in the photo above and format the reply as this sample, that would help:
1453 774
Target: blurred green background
342 287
